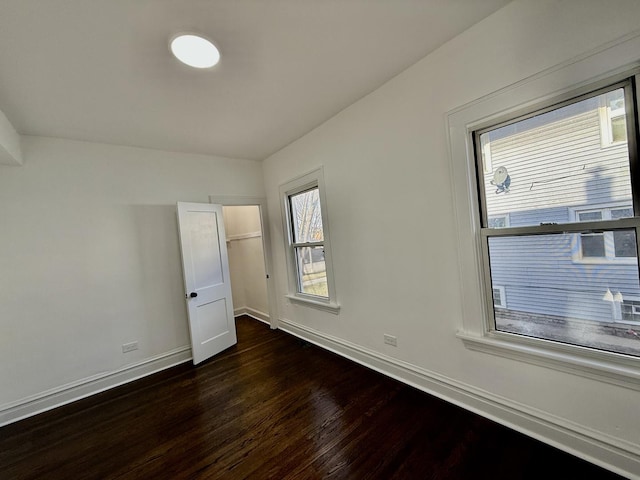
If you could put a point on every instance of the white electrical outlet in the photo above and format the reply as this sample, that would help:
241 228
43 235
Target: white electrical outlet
129 347
390 340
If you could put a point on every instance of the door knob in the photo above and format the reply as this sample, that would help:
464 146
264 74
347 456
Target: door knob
193 294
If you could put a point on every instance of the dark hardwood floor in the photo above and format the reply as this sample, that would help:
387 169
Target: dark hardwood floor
275 407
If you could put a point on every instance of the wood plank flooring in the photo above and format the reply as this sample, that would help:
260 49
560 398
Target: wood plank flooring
273 407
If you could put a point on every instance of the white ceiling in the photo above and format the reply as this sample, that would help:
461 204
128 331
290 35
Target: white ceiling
100 70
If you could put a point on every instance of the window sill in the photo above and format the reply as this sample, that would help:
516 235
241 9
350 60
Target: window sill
330 307
612 368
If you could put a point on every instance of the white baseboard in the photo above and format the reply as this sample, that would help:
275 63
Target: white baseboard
608 452
253 313
71 392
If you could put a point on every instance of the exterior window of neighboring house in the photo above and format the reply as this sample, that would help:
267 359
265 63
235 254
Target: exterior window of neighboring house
613 125
308 250
498 221
631 310
485 148
606 245
499 297
574 203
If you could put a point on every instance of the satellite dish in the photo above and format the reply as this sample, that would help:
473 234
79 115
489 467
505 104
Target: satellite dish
499 176
501 180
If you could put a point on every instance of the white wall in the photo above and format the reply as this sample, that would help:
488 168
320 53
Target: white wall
10 152
246 260
394 234
89 260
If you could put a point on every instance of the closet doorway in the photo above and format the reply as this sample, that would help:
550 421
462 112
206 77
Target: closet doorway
248 247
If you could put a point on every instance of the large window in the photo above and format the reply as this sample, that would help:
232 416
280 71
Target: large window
559 222
309 257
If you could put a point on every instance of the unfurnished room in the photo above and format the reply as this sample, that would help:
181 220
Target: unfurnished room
319 239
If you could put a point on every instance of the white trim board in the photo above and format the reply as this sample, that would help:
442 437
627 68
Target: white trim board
253 313
596 447
243 236
86 387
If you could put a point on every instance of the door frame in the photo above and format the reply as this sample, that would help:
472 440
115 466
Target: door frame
261 203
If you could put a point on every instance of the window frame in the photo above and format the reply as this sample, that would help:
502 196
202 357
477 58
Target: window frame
301 184
297 245
605 226
561 83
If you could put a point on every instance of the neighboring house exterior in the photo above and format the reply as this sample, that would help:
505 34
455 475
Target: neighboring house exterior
564 166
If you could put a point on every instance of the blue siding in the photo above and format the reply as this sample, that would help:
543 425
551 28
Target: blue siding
540 276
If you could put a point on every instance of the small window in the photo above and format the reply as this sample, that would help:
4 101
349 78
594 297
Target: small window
499 298
613 126
555 199
499 221
614 245
309 259
630 310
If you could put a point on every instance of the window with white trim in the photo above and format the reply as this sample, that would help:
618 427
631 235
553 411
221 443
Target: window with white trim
499 221
499 297
308 250
613 125
566 200
630 312
608 246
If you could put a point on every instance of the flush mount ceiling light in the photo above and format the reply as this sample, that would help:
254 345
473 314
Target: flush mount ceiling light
195 51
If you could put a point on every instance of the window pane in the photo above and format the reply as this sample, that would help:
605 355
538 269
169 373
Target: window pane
553 297
618 129
590 216
312 272
593 245
546 166
621 213
625 243
306 217
615 101
497 299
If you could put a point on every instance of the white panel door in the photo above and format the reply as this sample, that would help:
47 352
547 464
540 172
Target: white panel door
206 278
